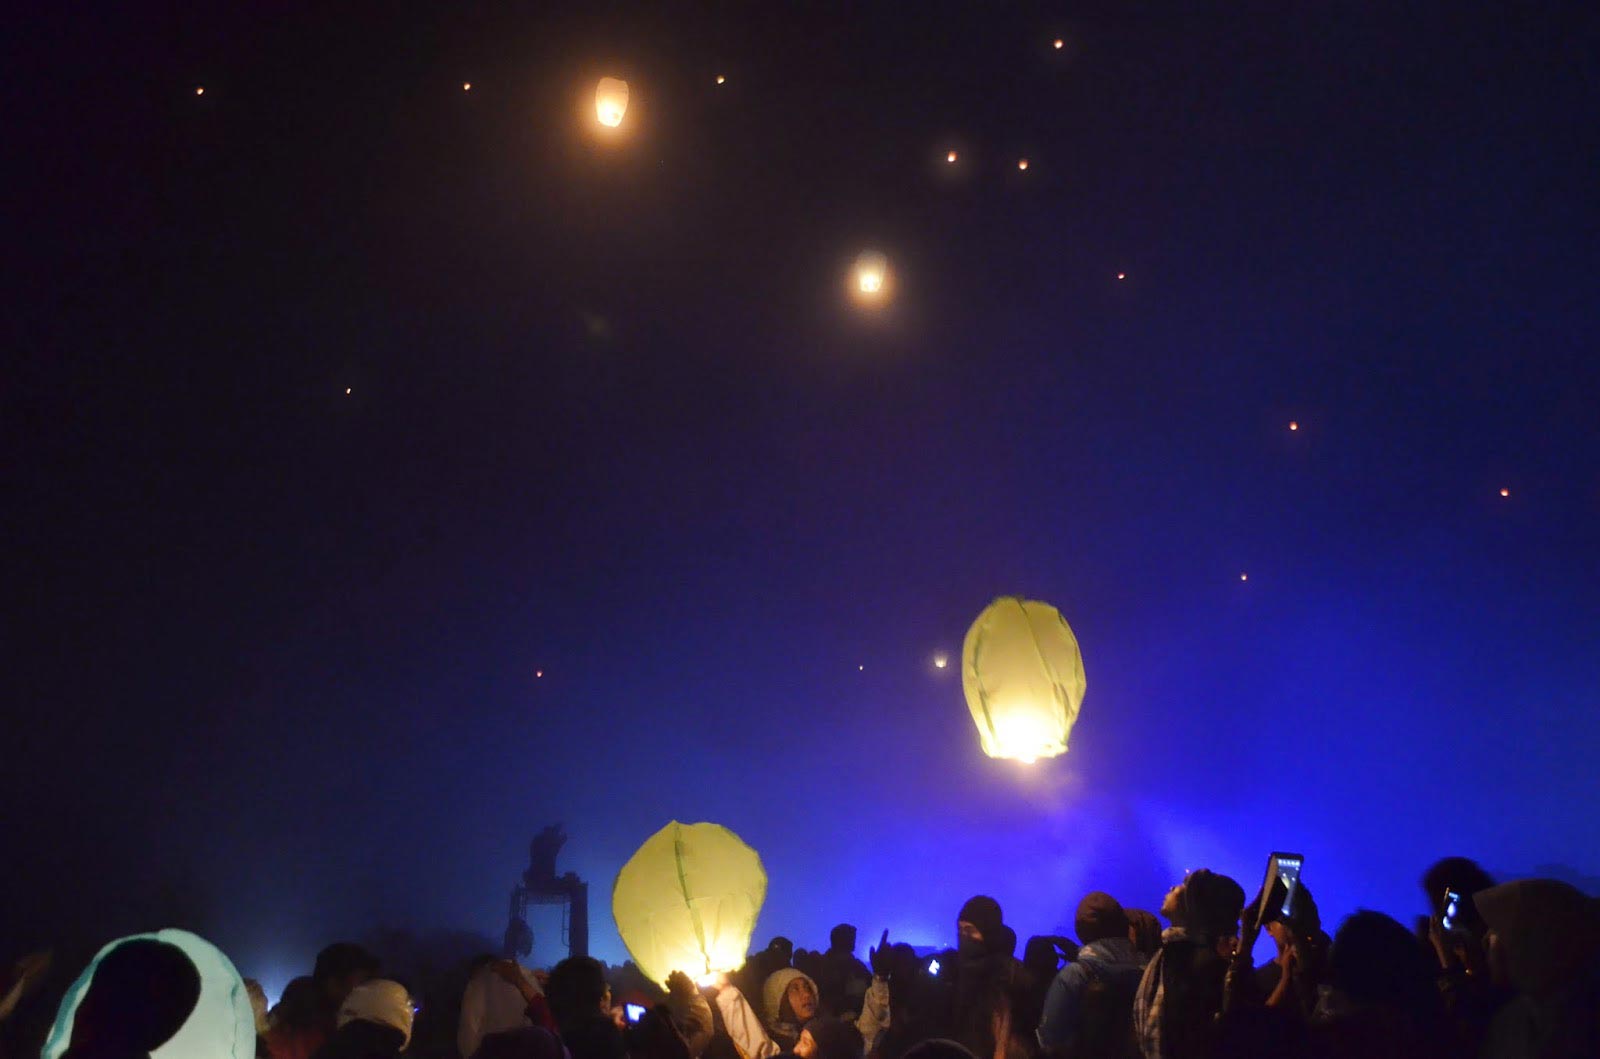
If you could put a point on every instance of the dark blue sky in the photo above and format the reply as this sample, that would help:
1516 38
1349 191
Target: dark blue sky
273 646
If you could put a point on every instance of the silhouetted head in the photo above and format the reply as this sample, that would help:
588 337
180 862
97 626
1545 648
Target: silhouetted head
141 994
1100 916
1039 956
1541 932
340 968
1460 874
829 1039
1144 930
979 918
842 938
1206 903
1376 962
577 989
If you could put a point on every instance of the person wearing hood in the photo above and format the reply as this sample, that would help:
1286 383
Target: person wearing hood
789 1000
1181 992
1089 1006
374 1022
978 994
142 993
1543 943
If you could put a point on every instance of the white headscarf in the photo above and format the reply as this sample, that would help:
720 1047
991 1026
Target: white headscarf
382 1001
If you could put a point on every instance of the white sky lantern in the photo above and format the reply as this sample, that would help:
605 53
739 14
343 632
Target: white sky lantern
1023 677
221 1023
871 278
610 101
688 901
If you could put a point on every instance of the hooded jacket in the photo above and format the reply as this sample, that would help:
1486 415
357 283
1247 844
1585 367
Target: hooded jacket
1111 961
1551 936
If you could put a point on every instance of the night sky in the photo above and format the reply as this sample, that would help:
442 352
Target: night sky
340 402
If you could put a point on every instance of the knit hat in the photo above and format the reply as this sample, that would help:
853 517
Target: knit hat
381 1001
777 984
1100 916
984 913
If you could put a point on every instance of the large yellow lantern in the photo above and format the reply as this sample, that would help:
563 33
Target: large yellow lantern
1023 677
610 101
688 901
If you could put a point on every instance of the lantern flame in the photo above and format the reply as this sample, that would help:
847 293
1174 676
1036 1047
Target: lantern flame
610 101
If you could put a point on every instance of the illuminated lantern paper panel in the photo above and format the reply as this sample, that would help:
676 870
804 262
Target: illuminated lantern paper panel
221 1026
610 101
1023 677
688 901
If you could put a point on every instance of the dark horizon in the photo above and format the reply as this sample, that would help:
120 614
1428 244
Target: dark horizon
342 402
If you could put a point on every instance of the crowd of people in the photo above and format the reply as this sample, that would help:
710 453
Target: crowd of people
1509 971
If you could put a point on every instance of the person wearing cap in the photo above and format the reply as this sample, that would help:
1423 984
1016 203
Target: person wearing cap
789 1000
1088 1008
977 996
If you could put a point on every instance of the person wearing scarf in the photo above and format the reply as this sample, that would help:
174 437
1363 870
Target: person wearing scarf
1181 991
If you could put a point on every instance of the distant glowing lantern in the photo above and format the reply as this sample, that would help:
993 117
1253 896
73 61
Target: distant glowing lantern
1293 425
221 1022
940 661
871 275
347 391
688 901
1023 677
1122 275
721 79
466 86
1058 44
950 156
199 90
1022 163
1244 577
610 101
1505 492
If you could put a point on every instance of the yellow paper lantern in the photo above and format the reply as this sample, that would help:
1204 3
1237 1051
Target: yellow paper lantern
610 101
688 901
1023 677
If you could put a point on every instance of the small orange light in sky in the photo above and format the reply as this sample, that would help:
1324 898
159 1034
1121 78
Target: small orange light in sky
1244 577
862 669
1058 44
720 79
347 389
1022 163
950 156
1505 492
466 86
1122 275
1293 425
538 672
199 90
940 661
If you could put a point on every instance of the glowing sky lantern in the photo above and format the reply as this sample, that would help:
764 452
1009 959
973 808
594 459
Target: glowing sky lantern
1023 678
610 101
870 279
688 901
221 1024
